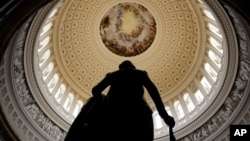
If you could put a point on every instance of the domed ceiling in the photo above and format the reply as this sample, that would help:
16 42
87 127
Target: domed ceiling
165 38
188 48
181 44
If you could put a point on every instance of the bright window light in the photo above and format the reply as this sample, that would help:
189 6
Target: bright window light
215 44
77 108
214 29
44 42
60 92
214 58
199 96
68 101
178 109
158 122
206 85
209 14
212 73
189 103
46 28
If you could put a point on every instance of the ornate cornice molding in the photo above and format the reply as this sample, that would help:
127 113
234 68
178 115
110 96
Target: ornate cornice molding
27 118
51 112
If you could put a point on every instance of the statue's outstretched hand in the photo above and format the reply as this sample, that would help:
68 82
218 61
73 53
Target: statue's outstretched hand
169 121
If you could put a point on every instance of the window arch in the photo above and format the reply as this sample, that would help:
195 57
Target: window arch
214 58
199 96
178 109
44 42
68 101
206 85
78 107
44 57
60 92
48 70
214 29
210 70
208 14
215 43
53 82
158 121
46 28
188 101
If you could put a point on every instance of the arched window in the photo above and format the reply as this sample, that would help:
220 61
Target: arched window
178 109
158 121
44 42
68 101
46 28
206 85
44 57
214 29
188 101
214 58
78 107
53 13
60 93
48 70
199 96
53 82
215 43
212 73
208 14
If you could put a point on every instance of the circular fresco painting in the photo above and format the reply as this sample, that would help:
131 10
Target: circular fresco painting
128 29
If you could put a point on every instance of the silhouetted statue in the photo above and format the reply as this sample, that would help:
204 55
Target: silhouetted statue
123 114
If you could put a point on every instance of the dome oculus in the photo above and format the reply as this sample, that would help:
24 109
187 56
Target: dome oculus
128 29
